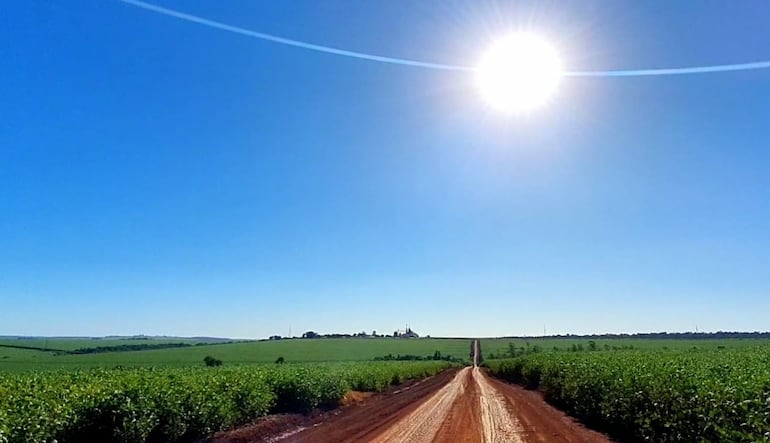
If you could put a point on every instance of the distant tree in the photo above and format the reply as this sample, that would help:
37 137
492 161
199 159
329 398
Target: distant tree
310 334
374 333
212 362
279 361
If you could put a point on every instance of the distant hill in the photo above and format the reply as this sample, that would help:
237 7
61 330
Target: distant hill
94 345
116 337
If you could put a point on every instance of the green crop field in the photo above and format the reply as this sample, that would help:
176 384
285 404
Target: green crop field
242 353
175 405
314 350
718 392
661 390
501 346
168 394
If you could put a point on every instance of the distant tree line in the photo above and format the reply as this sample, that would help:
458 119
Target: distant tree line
408 333
665 335
140 347
34 348
313 334
410 357
132 347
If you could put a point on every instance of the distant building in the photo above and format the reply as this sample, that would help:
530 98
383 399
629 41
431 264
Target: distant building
407 333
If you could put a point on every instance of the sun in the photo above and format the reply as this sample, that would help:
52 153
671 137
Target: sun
518 73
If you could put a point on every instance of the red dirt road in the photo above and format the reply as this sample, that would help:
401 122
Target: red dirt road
455 406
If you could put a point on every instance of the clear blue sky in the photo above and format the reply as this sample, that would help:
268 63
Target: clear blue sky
161 177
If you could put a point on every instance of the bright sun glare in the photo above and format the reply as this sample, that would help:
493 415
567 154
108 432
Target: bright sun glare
518 73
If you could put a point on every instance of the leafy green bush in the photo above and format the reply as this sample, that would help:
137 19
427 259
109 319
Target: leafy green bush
656 396
212 362
176 405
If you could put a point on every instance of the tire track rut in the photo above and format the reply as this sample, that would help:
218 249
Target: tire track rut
498 424
422 425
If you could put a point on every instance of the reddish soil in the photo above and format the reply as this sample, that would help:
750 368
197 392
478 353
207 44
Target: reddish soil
264 429
423 424
365 421
354 397
541 422
455 406
464 418
363 414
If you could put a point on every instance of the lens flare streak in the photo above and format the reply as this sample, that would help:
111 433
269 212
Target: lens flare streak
430 65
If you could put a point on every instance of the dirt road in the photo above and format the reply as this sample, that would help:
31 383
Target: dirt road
456 406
